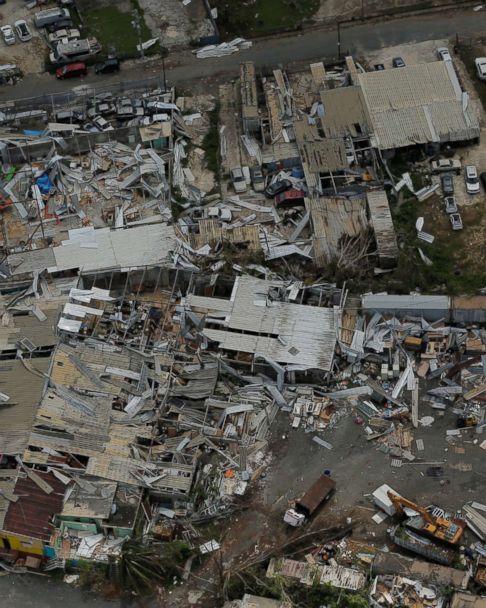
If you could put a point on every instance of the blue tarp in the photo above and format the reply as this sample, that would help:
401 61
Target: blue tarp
33 133
44 183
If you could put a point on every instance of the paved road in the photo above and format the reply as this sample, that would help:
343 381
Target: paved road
317 44
31 591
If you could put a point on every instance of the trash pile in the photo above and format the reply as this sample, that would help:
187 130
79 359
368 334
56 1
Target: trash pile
223 49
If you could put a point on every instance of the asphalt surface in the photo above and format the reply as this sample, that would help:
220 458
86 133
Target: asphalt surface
31 591
314 45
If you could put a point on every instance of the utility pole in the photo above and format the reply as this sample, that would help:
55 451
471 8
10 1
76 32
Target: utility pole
339 39
137 27
163 72
362 10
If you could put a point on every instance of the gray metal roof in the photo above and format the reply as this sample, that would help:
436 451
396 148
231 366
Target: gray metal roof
407 302
143 245
25 391
294 334
417 104
381 220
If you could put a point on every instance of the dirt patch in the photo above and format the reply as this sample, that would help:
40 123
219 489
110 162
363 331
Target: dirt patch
330 10
28 56
176 24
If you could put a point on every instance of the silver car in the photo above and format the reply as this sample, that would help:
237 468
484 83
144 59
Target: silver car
8 34
22 30
450 204
456 221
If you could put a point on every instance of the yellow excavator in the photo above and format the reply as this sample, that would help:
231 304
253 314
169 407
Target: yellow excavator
439 528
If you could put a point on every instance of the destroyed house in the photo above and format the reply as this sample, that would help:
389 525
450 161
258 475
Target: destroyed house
27 525
249 97
260 322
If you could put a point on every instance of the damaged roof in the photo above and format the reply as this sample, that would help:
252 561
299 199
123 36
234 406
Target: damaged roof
417 104
23 382
31 515
300 336
93 250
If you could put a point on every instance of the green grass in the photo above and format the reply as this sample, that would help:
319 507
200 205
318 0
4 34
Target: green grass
263 17
211 142
450 272
113 28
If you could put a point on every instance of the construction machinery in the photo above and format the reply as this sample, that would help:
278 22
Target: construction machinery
432 525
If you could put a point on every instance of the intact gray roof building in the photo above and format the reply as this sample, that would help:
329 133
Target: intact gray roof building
417 104
431 308
253 321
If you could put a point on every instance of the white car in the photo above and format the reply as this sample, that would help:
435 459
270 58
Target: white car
220 213
472 180
481 67
101 124
65 34
8 34
443 53
22 30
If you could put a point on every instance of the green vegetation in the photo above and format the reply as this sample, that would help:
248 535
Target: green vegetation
263 17
113 29
455 269
143 567
253 581
211 142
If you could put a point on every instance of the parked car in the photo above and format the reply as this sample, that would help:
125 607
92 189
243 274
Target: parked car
50 16
480 63
290 198
482 177
102 124
238 179
378 67
8 34
60 25
257 179
472 180
108 67
220 213
446 164
69 116
23 31
443 53
447 184
72 70
450 204
397 62
149 120
63 34
456 221
277 187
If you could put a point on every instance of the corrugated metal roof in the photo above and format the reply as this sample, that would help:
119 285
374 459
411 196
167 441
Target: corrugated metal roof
28 261
331 219
407 302
417 104
381 219
344 110
25 391
31 515
320 155
144 245
294 334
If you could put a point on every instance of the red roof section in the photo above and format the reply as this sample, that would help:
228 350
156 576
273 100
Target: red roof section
31 515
